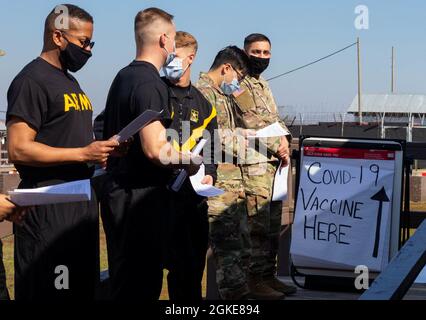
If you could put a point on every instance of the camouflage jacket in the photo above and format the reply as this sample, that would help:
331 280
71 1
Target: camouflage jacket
231 145
256 110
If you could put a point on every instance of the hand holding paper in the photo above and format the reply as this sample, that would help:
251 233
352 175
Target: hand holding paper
204 190
183 174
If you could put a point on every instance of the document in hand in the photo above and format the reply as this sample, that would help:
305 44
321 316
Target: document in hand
75 191
273 130
137 124
280 184
203 190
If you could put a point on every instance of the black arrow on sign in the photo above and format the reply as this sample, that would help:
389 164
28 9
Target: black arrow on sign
380 196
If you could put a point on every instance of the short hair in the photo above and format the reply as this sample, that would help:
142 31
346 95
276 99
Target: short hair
73 12
184 39
255 37
233 55
146 18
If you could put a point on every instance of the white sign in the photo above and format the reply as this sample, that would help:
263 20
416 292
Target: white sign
344 208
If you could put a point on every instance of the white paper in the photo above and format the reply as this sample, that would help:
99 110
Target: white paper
273 130
75 191
204 190
137 124
183 174
280 184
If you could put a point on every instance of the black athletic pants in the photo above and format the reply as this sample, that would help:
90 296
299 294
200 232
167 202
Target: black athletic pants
187 247
135 227
57 251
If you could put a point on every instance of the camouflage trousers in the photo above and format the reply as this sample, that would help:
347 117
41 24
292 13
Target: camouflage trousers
229 239
264 217
3 289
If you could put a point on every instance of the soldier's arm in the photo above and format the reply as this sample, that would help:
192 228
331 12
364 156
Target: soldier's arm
256 119
209 158
211 166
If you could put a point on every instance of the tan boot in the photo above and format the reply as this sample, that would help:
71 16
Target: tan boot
277 285
260 291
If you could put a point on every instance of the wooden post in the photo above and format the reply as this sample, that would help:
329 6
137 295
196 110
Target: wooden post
359 81
393 72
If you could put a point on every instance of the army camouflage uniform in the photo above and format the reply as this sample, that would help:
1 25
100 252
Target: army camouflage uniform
229 234
257 109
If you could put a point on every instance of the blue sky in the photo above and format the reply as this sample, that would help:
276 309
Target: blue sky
301 31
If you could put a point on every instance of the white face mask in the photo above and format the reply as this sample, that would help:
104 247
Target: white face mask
170 55
230 88
174 70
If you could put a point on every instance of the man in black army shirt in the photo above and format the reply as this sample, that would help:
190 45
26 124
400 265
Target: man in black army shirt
193 118
50 139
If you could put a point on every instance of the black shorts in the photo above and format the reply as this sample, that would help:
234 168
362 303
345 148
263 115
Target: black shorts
57 251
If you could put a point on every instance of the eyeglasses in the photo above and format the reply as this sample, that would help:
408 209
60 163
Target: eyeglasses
240 76
84 43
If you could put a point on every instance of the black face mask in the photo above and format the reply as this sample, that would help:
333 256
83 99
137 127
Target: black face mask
73 57
258 65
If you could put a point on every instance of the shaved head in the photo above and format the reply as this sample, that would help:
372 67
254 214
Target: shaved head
150 24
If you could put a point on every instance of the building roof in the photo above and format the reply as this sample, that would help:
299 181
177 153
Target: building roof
390 103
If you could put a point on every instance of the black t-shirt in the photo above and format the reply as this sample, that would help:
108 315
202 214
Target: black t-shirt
180 93
52 103
192 115
136 88
191 107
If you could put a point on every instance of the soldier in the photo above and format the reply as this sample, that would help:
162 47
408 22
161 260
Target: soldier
50 141
193 118
257 109
227 214
136 203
